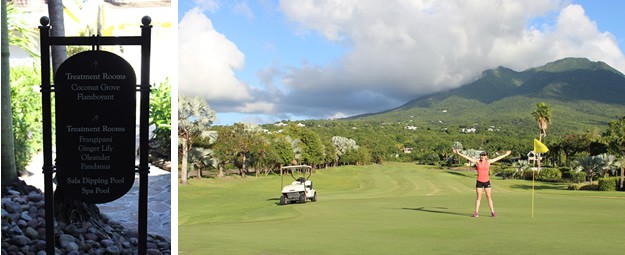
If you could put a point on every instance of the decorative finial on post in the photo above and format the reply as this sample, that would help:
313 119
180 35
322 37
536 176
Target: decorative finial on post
44 21
146 20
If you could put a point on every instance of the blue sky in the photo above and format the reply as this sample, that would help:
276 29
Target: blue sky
263 61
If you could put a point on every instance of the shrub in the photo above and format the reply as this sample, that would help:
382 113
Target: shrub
608 184
26 113
578 177
429 158
550 174
574 186
566 172
160 119
527 174
508 173
497 169
588 187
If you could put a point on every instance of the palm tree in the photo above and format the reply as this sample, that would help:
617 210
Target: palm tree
610 166
521 167
59 52
20 32
593 165
542 115
195 117
201 158
9 168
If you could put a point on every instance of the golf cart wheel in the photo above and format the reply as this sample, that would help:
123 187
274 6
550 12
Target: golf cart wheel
283 200
314 198
302 198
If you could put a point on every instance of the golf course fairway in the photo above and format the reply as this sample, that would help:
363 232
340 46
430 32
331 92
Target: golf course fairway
396 208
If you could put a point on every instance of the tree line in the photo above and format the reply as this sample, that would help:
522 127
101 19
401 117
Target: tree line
262 149
249 147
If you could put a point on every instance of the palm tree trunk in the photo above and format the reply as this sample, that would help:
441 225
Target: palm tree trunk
9 168
59 53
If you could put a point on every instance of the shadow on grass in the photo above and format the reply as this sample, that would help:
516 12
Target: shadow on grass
277 201
463 174
437 210
290 203
537 187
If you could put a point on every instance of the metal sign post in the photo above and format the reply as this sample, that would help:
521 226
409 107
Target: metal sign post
95 132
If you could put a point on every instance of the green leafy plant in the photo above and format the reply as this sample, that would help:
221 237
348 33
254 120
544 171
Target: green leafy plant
26 106
578 176
550 174
508 173
160 119
608 184
19 30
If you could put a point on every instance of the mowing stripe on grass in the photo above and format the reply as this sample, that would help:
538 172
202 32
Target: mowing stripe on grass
396 209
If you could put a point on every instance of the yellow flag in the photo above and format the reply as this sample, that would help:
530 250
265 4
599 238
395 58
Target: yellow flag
539 147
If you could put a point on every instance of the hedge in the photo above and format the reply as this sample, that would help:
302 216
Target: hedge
608 184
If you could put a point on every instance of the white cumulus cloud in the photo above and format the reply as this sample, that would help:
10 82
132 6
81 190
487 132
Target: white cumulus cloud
395 51
207 60
400 50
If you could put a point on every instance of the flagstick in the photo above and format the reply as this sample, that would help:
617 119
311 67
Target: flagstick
532 194
539 148
533 172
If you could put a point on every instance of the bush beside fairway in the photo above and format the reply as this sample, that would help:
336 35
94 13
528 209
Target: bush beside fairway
396 209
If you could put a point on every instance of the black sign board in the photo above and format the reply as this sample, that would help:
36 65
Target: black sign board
95 126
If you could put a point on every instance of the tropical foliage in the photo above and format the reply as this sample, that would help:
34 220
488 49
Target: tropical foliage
195 118
542 115
264 149
614 138
19 33
27 113
425 130
160 120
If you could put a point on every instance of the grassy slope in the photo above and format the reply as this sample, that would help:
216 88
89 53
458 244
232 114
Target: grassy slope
395 209
568 117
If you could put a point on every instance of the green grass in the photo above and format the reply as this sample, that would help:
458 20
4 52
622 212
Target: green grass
396 209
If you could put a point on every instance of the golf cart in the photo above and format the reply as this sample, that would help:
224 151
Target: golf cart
301 189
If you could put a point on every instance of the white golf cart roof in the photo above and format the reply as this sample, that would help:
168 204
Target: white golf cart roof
297 167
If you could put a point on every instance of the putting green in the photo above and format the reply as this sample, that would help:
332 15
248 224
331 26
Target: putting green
396 208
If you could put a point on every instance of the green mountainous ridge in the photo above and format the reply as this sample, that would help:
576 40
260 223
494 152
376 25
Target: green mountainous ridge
582 94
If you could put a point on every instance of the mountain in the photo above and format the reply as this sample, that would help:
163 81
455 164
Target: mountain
582 93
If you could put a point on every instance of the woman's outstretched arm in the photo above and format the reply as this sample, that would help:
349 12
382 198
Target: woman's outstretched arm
464 156
500 157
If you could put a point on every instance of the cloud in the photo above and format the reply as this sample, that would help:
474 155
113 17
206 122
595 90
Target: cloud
243 9
572 35
207 5
394 51
256 107
400 50
207 60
